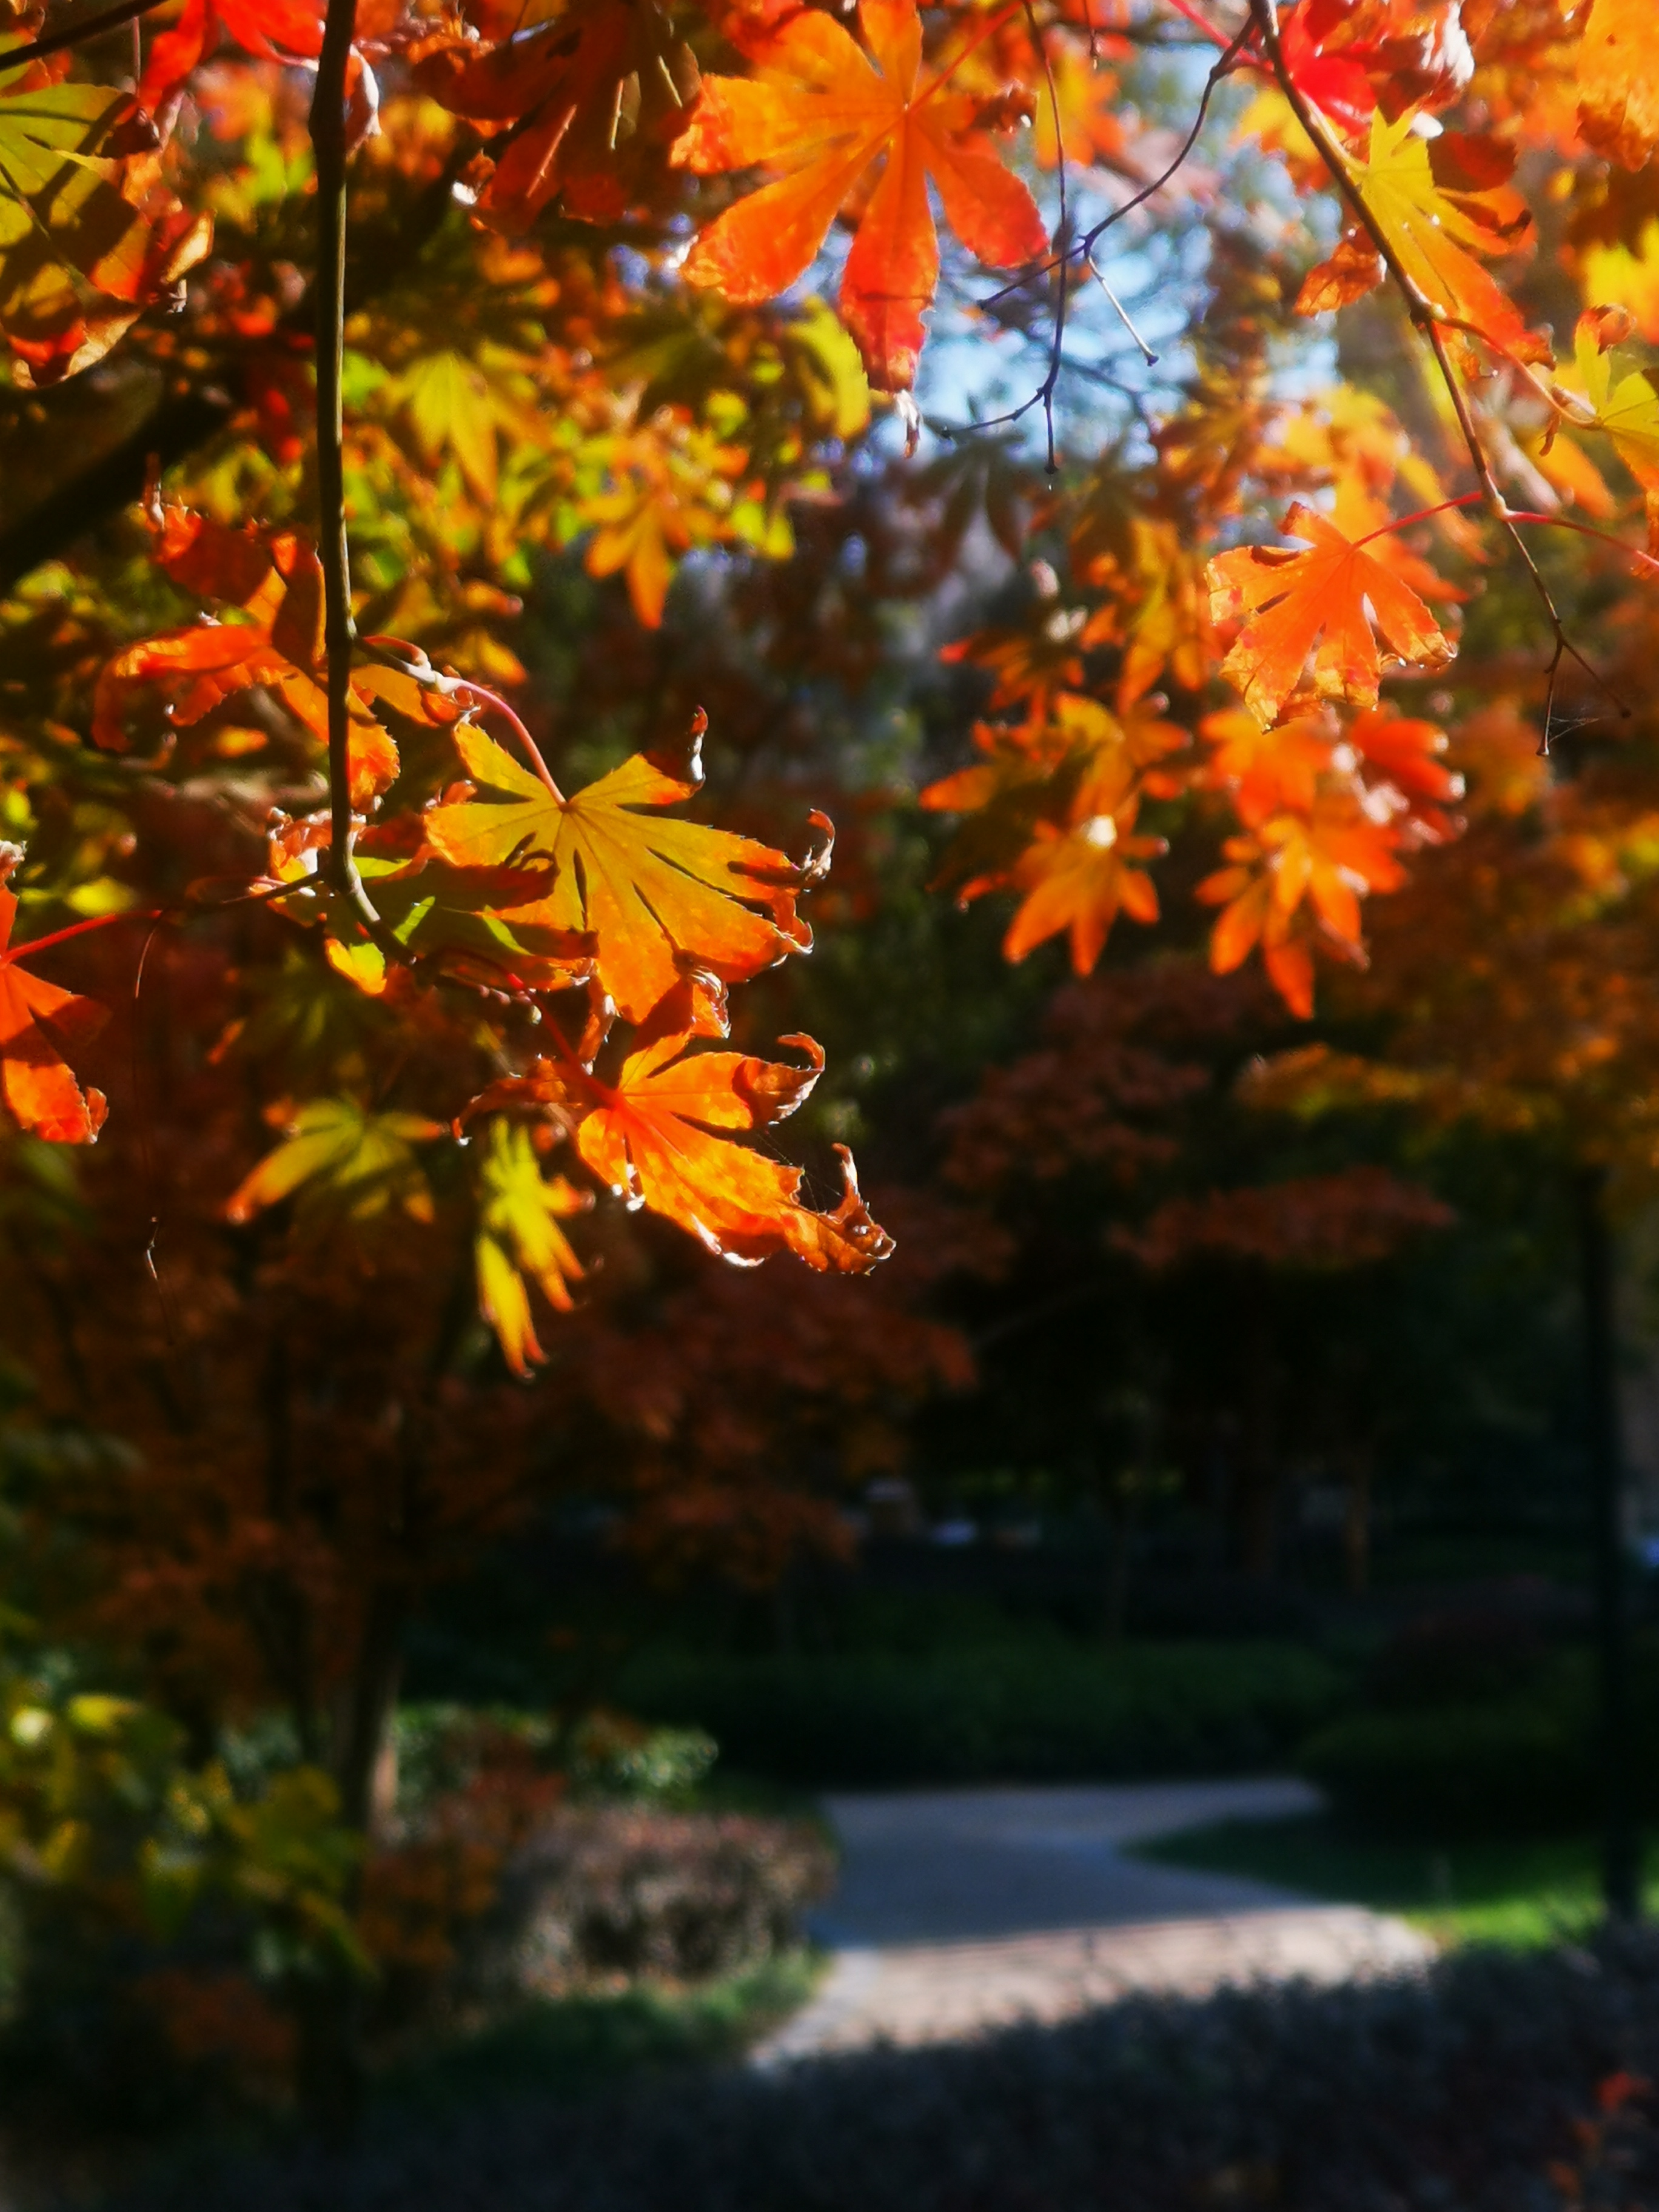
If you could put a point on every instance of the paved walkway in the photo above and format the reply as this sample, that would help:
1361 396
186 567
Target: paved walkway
959 1911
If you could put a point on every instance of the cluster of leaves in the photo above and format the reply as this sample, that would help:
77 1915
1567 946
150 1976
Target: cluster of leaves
417 945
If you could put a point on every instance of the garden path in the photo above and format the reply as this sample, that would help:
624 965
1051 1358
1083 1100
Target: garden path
959 1911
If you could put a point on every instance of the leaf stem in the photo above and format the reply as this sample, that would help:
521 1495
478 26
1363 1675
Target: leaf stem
1644 561
1423 514
80 929
481 695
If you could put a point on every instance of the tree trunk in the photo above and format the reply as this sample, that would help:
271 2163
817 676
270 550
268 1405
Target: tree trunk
1621 1842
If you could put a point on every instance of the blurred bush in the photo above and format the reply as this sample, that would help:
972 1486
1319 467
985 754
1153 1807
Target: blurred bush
1481 2085
1471 1724
1048 1711
157 1921
613 1891
505 1875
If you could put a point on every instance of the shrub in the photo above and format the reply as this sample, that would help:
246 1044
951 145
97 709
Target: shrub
607 1891
1052 1712
1523 1757
1486 2085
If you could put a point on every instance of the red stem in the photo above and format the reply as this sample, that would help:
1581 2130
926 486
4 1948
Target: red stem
1423 514
1184 9
80 929
481 695
1644 560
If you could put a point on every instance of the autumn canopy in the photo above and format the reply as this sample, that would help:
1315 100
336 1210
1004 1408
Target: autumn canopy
1178 474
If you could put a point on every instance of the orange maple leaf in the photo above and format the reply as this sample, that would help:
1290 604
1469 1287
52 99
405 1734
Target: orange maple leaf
655 896
271 585
1618 81
1323 602
821 112
654 1138
592 89
662 1136
41 1094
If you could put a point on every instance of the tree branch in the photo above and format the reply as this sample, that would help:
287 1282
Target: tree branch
1265 15
328 139
77 34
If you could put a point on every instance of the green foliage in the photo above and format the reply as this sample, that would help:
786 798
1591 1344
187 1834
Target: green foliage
1497 1758
1042 1712
1521 1893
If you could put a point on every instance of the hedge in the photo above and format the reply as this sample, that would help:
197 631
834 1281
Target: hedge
1014 1712
1454 2092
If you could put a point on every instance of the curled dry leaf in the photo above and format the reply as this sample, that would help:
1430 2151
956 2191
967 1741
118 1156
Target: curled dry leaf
662 1136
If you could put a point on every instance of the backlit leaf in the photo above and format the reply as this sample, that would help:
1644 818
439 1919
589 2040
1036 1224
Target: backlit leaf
656 896
520 1241
38 1023
1331 602
818 112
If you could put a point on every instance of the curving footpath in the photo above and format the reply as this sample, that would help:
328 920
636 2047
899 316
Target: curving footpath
962 1910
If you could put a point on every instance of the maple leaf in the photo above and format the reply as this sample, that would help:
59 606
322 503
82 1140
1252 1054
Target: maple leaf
1325 858
1078 873
657 1138
271 584
821 112
664 497
1437 202
1407 750
1618 81
654 895
592 90
1627 411
1323 602
39 1022
276 30
90 235
1264 770
454 407
519 1236
345 1161
1076 880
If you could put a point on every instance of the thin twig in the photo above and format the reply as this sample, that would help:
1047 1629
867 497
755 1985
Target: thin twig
1085 245
76 34
1062 240
1428 321
1122 312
